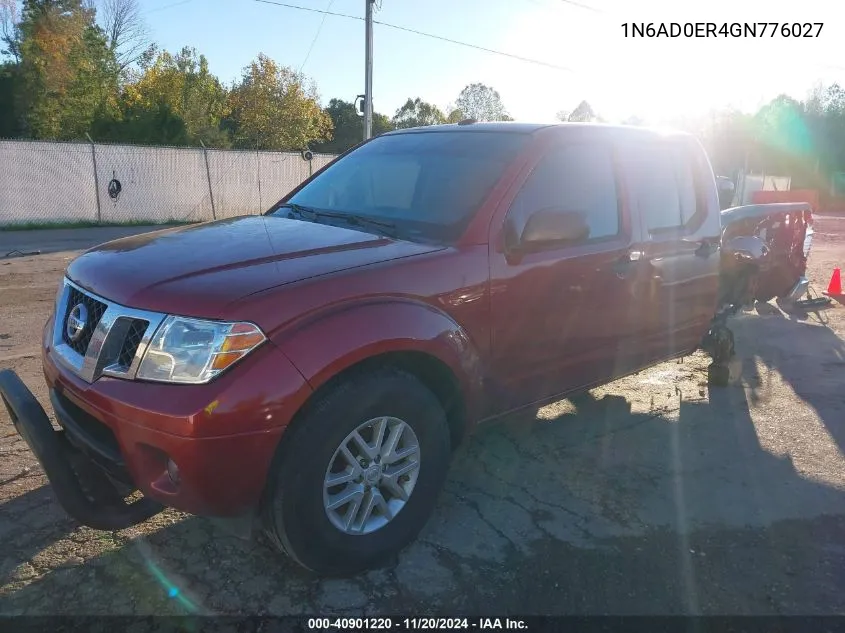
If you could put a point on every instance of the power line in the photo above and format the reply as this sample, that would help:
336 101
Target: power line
168 6
582 6
570 2
316 35
422 33
479 48
293 6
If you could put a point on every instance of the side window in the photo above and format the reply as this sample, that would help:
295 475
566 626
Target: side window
687 190
658 197
575 177
665 202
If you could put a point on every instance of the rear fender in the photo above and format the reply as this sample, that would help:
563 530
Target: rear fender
328 344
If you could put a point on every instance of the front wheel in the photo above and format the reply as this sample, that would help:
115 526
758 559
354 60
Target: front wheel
360 474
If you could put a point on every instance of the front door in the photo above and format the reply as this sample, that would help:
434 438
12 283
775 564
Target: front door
558 314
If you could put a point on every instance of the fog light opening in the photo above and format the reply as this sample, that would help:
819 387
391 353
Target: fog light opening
173 472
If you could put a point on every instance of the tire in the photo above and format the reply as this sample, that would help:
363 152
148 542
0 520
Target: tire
294 514
718 375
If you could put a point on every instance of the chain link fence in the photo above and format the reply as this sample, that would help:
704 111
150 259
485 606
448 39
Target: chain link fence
45 182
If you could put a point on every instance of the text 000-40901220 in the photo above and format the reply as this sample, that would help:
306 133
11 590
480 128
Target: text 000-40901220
723 29
414 624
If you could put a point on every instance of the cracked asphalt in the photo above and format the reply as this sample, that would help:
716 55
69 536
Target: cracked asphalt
652 495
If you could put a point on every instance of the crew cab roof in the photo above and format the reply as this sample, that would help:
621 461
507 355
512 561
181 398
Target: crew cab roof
481 126
530 128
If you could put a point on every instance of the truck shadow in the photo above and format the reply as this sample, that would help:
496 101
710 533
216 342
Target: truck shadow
807 355
590 496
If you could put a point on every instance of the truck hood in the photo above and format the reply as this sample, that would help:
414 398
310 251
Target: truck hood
199 270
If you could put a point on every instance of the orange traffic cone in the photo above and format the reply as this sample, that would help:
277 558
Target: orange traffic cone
834 288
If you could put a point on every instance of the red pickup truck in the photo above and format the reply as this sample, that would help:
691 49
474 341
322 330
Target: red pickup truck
312 368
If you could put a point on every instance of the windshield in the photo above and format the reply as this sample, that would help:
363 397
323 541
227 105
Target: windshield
427 185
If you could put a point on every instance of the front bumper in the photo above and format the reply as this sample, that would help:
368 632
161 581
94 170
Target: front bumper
88 496
116 436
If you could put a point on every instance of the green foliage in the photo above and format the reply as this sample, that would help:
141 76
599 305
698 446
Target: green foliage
153 125
455 116
273 108
348 127
11 123
417 113
170 88
68 75
728 137
381 124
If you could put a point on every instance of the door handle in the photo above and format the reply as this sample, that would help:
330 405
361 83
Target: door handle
625 264
706 249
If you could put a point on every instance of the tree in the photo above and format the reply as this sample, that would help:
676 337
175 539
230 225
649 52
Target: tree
9 30
68 74
482 103
11 124
824 113
417 113
583 112
381 124
348 127
169 87
156 125
272 108
781 127
455 116
827 100
728 137
126 33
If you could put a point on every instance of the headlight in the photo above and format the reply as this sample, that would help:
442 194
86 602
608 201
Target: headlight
194 351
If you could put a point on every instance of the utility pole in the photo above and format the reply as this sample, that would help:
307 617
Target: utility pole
368 70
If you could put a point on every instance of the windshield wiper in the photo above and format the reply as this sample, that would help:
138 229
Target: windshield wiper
298 209
382 226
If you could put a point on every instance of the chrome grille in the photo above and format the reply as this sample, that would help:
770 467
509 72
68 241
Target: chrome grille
95 313
113 340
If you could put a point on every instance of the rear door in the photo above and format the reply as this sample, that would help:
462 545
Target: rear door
673 189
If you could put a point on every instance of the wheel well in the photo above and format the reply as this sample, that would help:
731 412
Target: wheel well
429 370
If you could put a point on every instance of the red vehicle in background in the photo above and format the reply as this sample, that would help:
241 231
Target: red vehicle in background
311 369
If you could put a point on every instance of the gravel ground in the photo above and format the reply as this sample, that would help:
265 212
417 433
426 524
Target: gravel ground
652 495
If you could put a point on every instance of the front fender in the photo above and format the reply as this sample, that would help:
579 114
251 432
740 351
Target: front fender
330 343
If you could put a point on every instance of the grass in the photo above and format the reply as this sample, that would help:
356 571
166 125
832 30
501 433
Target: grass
37 226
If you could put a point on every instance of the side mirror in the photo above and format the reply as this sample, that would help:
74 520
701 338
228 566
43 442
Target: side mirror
726 192
553 227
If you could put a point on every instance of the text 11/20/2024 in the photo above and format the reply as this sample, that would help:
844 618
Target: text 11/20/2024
724 29
415 624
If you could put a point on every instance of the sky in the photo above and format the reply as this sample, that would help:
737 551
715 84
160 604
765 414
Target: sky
657 79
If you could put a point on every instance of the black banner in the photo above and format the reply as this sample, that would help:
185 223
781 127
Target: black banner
403 623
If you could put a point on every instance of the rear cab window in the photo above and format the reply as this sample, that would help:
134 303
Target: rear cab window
666 186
